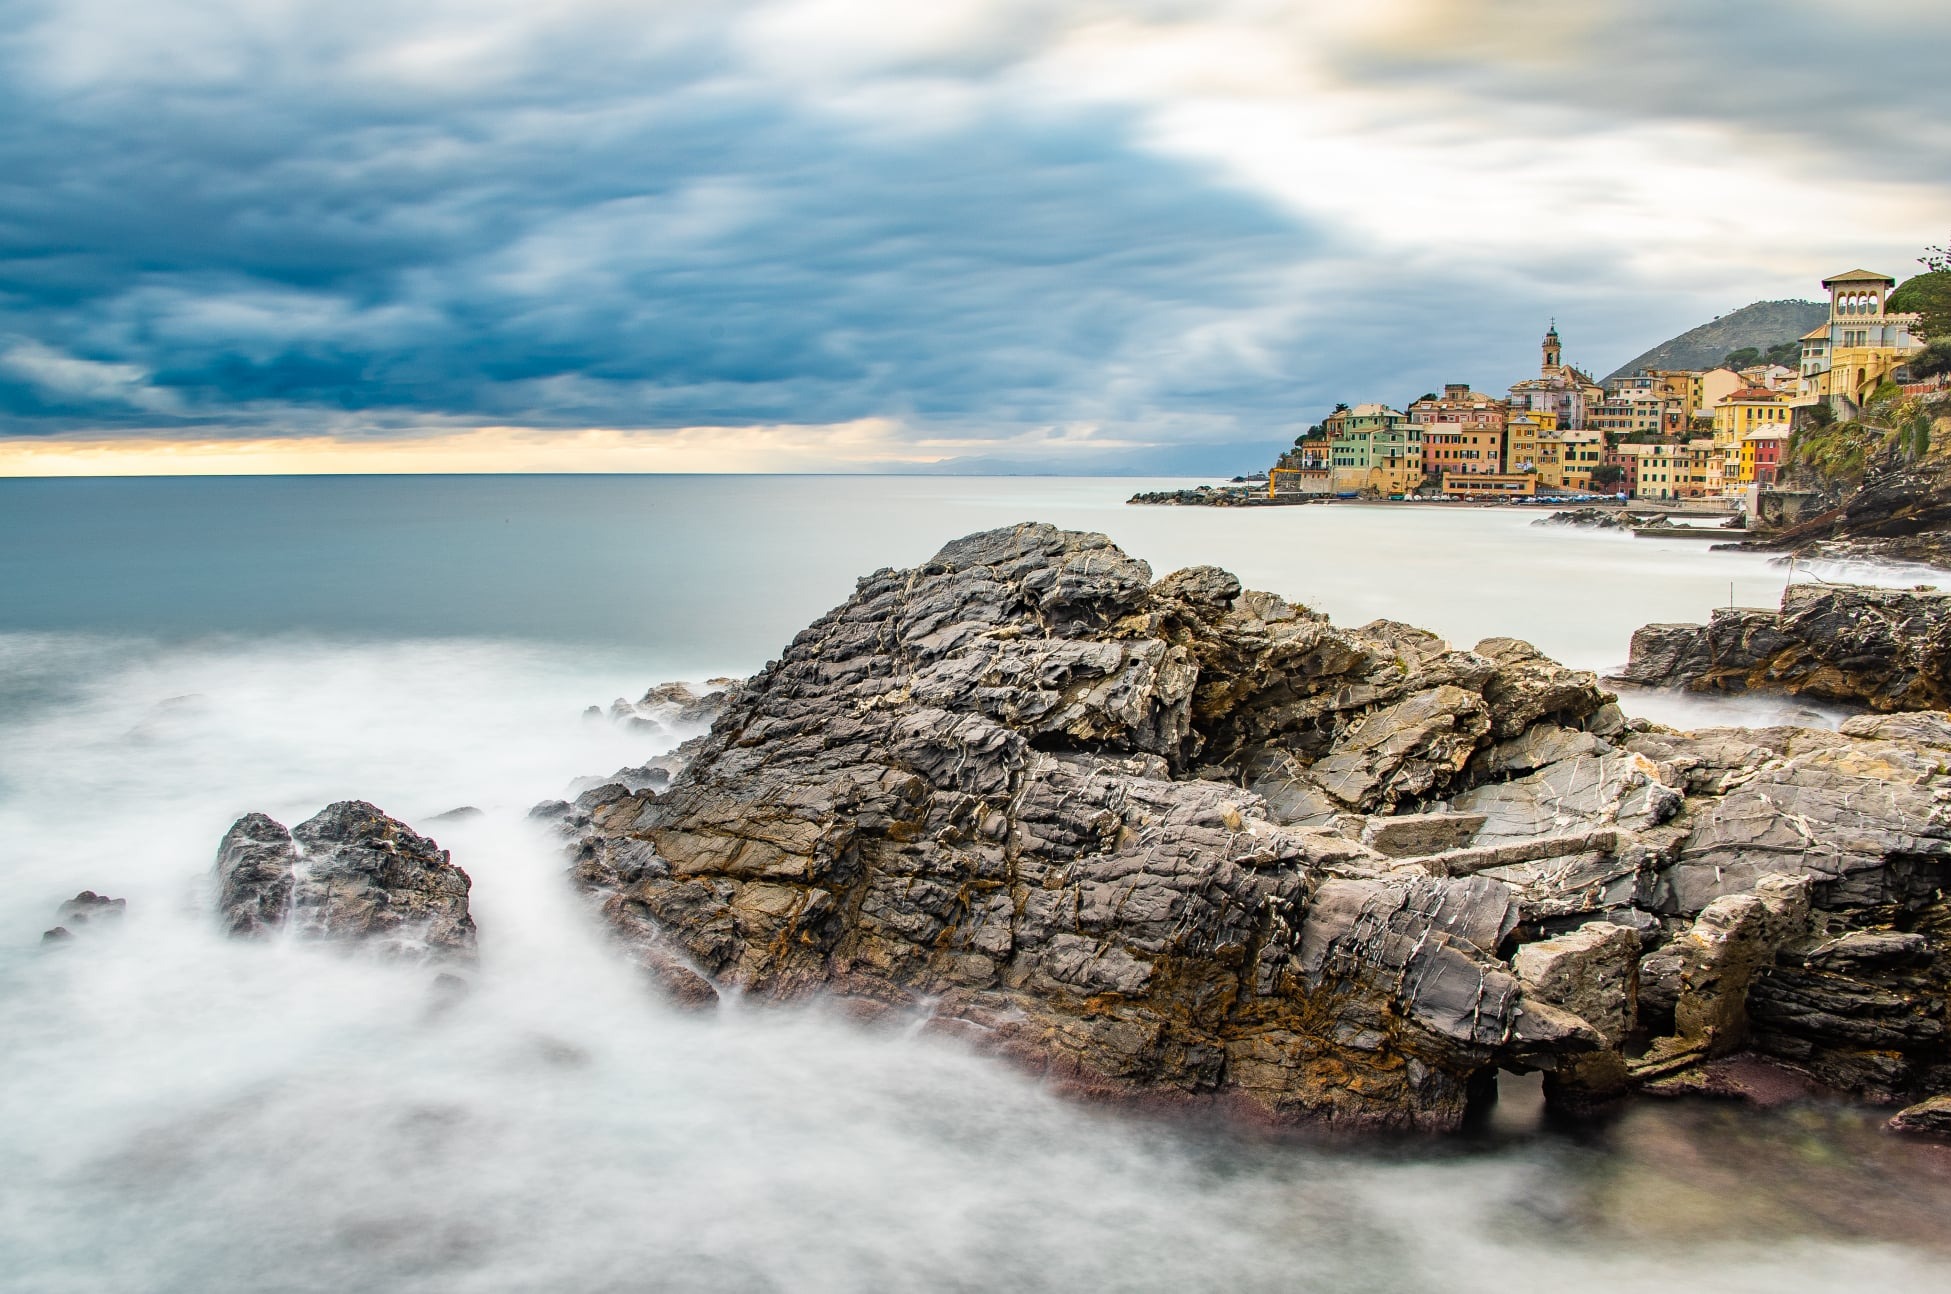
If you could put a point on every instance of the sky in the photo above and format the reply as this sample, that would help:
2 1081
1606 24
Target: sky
841 235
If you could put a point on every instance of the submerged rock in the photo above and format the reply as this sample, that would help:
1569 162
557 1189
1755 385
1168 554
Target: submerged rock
1177 839
86 910
350 874
1886 649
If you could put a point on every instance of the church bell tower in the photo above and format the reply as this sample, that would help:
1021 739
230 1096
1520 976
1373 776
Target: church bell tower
1554 353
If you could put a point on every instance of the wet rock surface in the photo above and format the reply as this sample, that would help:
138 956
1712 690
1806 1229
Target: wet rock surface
1175 839
351 874
1886 649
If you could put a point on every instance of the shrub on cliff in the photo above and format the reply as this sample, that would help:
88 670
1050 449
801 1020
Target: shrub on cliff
1834 454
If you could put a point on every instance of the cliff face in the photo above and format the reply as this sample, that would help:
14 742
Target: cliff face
1178 840
1886 502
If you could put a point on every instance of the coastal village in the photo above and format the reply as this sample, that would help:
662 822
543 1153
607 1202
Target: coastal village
1709 438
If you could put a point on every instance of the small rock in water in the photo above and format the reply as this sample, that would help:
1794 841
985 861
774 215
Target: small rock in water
351 875
465 813
86 909
89 906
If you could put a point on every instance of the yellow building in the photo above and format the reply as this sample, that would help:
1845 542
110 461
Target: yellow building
1678 470
1561 458
1581 454
1522 433
1746 411
1854 352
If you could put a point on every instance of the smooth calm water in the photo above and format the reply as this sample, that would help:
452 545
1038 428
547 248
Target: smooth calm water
187 1114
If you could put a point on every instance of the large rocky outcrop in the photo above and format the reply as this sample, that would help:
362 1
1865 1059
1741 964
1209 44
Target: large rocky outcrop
1176 839
1887 649
350 874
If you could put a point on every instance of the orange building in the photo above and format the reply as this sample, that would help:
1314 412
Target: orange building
1463 431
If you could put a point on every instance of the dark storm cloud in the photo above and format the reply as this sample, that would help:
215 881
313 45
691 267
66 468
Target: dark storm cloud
640 240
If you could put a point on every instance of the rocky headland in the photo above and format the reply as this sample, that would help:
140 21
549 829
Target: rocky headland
1170 839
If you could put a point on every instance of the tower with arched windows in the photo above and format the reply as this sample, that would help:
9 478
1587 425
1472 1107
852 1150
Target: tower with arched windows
1852 353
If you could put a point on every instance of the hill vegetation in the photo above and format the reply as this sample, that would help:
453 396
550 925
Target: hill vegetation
1760 327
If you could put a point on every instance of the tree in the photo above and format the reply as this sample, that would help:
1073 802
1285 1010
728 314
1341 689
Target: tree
1932 361
1928 296
1607 475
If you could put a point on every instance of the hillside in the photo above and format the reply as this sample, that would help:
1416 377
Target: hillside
1761 325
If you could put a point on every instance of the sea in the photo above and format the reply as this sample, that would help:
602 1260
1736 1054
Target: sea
181 1112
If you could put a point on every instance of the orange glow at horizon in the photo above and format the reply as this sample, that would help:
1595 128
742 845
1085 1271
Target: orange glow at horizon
863 444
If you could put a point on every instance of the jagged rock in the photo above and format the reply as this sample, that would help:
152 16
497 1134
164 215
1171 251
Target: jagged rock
1870 820
1704 976
1176 838
350 874
670 707
1592 972
1930 1118
1887 649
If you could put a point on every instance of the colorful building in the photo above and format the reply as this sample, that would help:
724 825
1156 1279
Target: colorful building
1463 431
1861 344
1748 410
1678 470
1626 459
1580 454
1762 453
1374 449
1559 389
1524 434
1772 377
